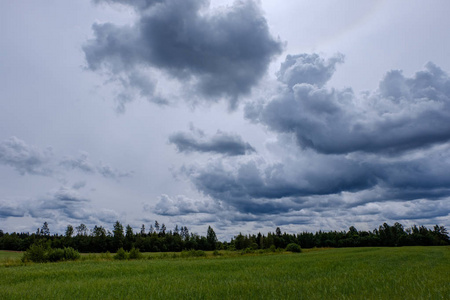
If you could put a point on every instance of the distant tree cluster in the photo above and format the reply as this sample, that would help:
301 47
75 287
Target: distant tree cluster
159 239
384 236
99 239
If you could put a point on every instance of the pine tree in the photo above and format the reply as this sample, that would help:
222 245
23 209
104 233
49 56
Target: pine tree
211 238
45 230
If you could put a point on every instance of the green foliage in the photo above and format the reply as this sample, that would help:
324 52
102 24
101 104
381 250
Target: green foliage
254 246
293 247
41 252
247 251
37 252
99 239
106 255
134 254
54 255
211 238
118 235
121 254
69 231
193 253
71 254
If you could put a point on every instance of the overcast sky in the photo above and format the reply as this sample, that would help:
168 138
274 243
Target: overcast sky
241 115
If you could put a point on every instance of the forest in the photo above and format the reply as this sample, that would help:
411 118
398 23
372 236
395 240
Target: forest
159 239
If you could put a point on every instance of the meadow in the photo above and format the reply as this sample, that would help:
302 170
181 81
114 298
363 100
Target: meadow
344 273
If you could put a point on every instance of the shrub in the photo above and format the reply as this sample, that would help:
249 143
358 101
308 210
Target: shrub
41 252
217 253
71 254
293 247
55 255
121 254
135 254
37 252
199 253
247 251
193 253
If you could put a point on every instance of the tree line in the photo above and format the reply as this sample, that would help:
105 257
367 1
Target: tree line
158 239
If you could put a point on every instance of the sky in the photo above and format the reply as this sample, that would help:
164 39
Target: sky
240 115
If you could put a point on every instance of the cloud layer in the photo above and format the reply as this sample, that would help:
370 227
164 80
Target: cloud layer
338 152
221 143
182 205
220 53
61 205
403 114
24 158
29 159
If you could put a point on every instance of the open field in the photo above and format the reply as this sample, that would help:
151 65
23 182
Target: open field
10 255
347 273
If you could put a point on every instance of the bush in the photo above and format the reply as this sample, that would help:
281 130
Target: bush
135 254
121 254
36 253
55 255
71 254
41 252
247 251
193 253
293 247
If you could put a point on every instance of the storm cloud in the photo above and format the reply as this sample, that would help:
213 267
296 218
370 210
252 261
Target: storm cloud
219 53
297 183
335 150
221 143
403 114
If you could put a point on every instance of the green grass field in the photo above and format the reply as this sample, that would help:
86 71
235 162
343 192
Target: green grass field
349 273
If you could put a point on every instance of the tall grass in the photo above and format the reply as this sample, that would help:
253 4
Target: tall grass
352 273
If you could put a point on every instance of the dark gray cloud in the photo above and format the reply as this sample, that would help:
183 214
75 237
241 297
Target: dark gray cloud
221 142
26 159
277 188
358 155
8 209
221 53
308 68
138 4
322 182
403 114
182 205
